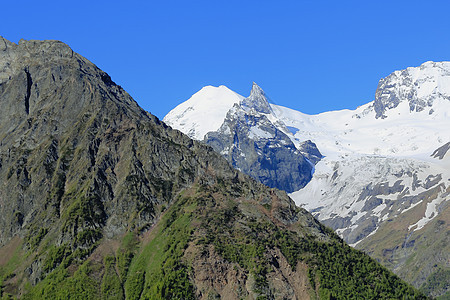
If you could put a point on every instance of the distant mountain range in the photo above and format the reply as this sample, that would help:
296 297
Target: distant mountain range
380 173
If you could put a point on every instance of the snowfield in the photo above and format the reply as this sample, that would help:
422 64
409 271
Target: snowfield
203 112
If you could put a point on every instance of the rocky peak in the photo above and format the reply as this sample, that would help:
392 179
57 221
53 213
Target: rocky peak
260 148
31 49
32 72
257 101
4 44
421 87
57 110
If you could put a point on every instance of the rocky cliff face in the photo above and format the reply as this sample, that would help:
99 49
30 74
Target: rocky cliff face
260 147
99 199
419 87
441 152
70 142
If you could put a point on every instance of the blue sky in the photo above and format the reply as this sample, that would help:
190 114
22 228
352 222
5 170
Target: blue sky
311 56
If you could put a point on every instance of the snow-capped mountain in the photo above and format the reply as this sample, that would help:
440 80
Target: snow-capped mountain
203 112
419 87
384 181
253 140
250 136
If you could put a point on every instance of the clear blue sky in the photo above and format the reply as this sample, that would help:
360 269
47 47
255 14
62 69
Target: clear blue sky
312 56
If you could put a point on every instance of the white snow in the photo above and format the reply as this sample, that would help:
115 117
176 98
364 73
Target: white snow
346 131
203 112
377 211
364 150
430 213
256 132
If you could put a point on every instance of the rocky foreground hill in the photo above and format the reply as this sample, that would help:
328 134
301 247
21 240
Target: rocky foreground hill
99 199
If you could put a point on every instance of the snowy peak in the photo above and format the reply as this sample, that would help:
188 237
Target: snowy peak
422 88
257 101
203 112
248 134
207 109
255 142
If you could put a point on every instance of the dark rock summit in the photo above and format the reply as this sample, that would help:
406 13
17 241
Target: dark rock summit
252 143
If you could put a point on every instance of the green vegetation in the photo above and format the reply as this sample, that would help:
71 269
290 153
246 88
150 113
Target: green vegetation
55 256
7 271
153 271
60 285
111 287
34 240
235 244
126 253
347 273
153 265
438 282
446 296
157 271
336 270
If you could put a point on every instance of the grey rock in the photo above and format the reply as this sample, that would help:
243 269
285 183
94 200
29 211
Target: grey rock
382 188
401 86
441 151
364 228
252 144
338 222
371 203
389 95
262 149
309 150
257 101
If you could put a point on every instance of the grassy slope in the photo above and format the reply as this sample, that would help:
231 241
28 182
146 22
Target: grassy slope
153 265
413 255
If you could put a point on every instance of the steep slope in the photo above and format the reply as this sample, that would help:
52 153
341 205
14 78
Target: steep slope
380 161
378 177
253 141
100 199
